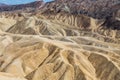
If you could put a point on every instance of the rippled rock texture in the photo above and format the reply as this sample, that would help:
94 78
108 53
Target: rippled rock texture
58 46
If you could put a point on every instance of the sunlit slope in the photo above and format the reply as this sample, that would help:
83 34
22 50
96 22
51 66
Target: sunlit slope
59 47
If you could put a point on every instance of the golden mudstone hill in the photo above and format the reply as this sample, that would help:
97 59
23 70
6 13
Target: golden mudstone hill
49 45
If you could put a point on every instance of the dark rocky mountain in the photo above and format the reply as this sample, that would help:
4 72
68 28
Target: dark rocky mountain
94 8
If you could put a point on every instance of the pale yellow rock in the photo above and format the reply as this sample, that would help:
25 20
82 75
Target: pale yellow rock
7 76
58 46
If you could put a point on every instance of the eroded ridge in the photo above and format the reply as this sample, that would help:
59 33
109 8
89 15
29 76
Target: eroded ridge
58 46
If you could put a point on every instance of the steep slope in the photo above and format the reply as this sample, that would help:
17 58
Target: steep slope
50 45
99 9
96 8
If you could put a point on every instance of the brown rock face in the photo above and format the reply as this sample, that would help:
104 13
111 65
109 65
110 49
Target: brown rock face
99 9
50 45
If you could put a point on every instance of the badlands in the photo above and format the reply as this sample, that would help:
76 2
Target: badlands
60 40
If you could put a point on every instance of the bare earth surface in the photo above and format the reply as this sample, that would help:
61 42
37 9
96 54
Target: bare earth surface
46 45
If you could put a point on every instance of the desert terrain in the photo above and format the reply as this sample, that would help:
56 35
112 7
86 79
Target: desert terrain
56 42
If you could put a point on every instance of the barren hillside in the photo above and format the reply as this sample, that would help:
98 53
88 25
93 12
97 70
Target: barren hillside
51 43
